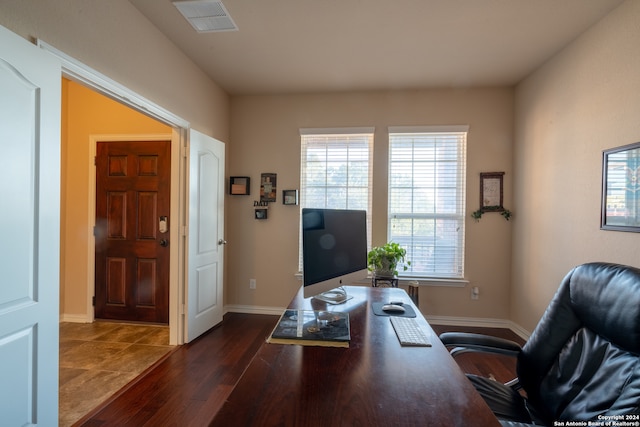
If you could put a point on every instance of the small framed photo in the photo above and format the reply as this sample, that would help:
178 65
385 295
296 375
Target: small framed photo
268 187
289 197
261 213
491 192
239 185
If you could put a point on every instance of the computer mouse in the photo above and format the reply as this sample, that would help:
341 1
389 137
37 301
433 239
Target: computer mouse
393 308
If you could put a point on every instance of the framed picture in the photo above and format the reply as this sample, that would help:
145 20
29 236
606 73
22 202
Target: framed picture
620 209
268 187
261 213
239 185
289 197
491 191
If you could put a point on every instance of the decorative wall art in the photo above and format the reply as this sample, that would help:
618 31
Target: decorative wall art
289 197
491 195
268 187
491 191
261 209
239 185
620 210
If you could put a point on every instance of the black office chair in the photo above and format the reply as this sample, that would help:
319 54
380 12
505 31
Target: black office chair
581 362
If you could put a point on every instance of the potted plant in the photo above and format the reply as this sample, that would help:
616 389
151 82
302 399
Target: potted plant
383 260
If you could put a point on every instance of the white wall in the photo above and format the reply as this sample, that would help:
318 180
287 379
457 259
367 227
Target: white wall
583 101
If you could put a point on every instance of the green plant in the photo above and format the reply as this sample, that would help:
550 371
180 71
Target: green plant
477 214
506 213
385 259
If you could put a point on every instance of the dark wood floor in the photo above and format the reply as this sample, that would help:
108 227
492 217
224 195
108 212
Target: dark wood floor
190 385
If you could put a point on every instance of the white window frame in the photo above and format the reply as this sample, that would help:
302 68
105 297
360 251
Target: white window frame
412 209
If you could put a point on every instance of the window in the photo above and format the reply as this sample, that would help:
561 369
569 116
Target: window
335 170
426 211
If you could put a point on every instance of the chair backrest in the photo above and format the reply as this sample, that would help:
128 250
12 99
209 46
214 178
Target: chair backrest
583 358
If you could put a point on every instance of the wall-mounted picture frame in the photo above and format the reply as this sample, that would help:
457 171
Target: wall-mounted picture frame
620 207
268 187
239 185
261 213
491 191
289 197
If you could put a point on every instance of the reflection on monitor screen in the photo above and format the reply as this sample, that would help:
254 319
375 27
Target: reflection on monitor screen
334 252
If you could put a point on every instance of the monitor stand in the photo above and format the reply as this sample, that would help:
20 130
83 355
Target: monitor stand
334 296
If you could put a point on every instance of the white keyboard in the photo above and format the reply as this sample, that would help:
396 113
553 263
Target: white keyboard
409 332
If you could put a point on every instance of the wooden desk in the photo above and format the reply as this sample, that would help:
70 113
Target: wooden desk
375 382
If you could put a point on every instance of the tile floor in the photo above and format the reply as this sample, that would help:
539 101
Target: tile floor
97 359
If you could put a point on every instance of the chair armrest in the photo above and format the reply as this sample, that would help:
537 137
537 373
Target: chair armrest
465 342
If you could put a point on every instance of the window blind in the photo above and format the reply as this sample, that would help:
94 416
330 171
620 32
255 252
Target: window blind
336 172
426 209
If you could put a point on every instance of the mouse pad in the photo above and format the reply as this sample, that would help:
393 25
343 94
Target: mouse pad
377 310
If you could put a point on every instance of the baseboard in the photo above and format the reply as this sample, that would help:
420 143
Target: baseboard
253 309
74 318
520 331
480 322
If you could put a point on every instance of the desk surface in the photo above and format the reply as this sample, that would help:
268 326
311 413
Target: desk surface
375 382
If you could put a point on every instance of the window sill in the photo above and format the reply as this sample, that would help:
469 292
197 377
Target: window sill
427 281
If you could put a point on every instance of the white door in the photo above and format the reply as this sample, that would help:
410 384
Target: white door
30 232
206 234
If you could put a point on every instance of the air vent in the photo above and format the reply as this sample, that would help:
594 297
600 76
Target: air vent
206 16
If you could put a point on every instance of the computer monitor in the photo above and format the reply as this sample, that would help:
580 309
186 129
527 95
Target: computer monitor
334 252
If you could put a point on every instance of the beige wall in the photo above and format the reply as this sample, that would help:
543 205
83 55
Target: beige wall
115 39
549 142
264 131
86 113
583 101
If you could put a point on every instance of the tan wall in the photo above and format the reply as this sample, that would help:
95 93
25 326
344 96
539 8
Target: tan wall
86 113
581 102
115 39
264 130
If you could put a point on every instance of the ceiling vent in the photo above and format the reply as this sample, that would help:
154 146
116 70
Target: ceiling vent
206 16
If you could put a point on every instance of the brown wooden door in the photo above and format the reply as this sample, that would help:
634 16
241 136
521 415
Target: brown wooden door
132 253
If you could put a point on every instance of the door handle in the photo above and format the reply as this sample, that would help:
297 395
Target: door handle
222 242
164 243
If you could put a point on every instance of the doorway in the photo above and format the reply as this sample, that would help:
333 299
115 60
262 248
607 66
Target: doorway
88 118
183 298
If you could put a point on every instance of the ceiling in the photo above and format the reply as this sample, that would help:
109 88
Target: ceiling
295 46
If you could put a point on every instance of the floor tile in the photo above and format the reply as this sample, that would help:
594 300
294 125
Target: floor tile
135 358
98 359
86 391
90 354
124 333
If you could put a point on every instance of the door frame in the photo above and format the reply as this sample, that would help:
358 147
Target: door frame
85 75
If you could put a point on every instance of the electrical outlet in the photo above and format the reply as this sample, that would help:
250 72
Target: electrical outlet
252 283
475 293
